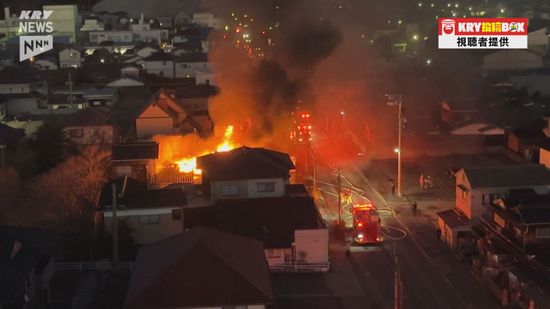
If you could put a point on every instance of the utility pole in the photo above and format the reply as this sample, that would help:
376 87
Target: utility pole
115 229
392 100
339 199
397 284
399 149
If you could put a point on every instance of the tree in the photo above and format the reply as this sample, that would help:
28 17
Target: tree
48 145
9 191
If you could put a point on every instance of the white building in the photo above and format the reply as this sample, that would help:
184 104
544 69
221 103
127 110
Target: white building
65 19
113 36
92 24
70 57
208 20
160 64
187 65
513 59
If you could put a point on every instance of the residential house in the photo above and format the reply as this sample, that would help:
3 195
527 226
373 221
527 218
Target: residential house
207 19
45 63
151 215
476 188
90 127
535 81
294 235
92 23
27 267
524 140
20 81
142 32
136 160
523 216
512 60
166 115
539 40
200 268
70 57
458 111
130 70
160 64
245 173
187 47
455 228
125 36
187 65
125 82
195 98
9 136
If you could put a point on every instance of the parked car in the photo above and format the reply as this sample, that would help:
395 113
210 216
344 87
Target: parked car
23 117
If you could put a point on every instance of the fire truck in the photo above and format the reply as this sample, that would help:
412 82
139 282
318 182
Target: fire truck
366 224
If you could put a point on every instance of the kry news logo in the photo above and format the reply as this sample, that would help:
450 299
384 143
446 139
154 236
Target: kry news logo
34 22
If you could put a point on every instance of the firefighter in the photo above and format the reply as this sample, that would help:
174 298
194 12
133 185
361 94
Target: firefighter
414 207
393 188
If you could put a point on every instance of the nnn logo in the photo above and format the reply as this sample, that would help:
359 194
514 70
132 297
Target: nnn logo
36 23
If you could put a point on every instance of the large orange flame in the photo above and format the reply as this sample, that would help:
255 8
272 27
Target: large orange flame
189 164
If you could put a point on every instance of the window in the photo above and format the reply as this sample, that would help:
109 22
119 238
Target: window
542 232
266 186
272 253
176 214
230 190
77 133
150 219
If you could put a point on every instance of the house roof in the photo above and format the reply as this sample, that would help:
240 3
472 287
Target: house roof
9 135
532 131
508 176
270 220
199 268
159 56
196 91
245 163
16 75
192 57
36 248
135 151
133 194
544 144
453 218
528 207
89 117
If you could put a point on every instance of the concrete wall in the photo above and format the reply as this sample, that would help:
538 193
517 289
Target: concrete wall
311 245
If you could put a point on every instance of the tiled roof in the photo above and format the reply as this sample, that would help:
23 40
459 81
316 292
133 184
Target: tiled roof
200 268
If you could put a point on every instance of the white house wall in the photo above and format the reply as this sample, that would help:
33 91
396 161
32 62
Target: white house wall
311 245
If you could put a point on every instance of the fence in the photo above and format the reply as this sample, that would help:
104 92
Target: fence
80 266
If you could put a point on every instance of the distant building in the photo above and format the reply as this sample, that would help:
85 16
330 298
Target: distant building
200 268
151 215
90 127
160 64
245 173
70 57
65 19
45 63
512 60
187 65
477 188
208 20
524 140
135 160
166 115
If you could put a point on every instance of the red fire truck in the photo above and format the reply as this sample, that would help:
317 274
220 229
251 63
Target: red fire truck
366 224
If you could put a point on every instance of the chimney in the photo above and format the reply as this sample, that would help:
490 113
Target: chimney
17 245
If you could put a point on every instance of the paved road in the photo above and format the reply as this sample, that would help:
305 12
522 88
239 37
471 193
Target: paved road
432 276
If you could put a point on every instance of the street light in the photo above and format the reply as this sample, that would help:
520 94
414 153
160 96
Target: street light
392 100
